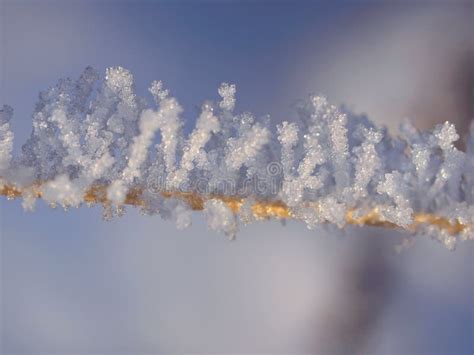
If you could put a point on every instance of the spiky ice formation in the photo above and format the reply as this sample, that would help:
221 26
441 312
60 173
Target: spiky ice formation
95 141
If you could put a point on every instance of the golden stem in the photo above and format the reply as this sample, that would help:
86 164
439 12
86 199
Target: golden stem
97 194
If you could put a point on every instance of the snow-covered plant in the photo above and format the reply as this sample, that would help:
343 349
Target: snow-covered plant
95 141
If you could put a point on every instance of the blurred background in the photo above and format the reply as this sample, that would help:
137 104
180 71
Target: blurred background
72 284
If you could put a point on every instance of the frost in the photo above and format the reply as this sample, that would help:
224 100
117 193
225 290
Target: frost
194 153
95 137
288 138
393 186
227 93
246 147
62 190
220 217
367 162
149 123
156 89
117 192
6 138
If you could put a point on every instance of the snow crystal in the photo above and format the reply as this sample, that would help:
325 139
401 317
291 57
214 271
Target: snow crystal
220 217
322 166
227 93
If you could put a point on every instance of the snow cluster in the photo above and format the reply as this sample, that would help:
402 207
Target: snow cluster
324 164
6 138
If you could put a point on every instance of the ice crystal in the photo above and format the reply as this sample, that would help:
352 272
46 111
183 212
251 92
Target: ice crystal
6 138
95 137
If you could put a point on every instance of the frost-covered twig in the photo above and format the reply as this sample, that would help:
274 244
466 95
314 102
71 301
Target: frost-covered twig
95 141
